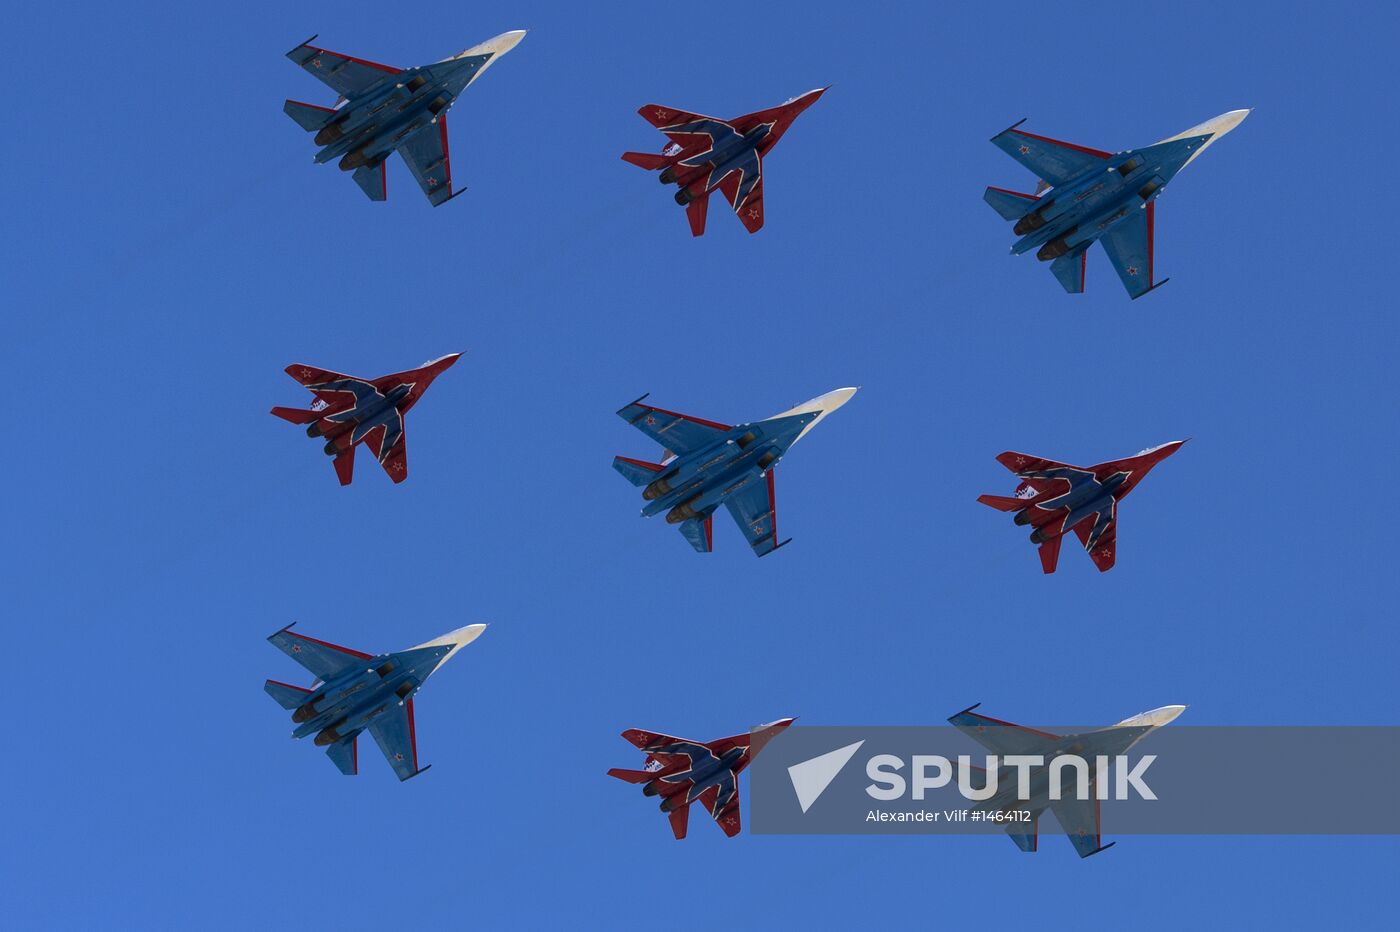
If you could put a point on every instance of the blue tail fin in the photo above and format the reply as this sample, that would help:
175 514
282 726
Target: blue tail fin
371 180
288 697
1012 205
308 116
637 472
1069 269
700 533
346 756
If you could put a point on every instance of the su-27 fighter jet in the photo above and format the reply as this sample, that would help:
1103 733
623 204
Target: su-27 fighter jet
382 109
1089 195
706 464
355 691
1055 498
350 411
706 154
1079 818
682 772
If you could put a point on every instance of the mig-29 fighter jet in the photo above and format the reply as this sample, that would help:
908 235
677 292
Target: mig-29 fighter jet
349 411
706 154
355 691
1088 195
706 464
382 109
1055 499
1078 818
681 772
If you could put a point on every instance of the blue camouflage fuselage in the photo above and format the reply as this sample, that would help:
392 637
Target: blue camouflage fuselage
729 151
1084 208
338 710
695 485
1087 495
373 408
705 771
371 125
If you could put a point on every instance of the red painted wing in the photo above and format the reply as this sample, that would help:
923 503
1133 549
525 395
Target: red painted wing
1105 550
728 817
750 211
395 459
1020 463
311 375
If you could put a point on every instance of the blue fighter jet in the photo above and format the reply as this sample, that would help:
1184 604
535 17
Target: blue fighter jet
1089 195
355 691
706 464
382 109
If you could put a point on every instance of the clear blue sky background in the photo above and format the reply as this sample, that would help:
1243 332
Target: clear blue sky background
169 247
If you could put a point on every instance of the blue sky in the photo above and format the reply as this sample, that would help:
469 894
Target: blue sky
170 247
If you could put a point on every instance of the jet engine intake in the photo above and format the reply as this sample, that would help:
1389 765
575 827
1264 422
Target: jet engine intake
328 735
683 512
1056 247
354 160
329 133
656 489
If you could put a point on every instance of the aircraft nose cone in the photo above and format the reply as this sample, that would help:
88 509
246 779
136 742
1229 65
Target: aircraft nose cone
504 42
1155 718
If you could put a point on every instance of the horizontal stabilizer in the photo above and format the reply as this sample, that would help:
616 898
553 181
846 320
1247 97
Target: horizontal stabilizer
632 776
1012 205
345 755
297 415
372 181
646 160
1003 502
1069 269
637 472
287 696
308 116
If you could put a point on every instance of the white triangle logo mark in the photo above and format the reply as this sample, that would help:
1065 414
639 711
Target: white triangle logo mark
811 777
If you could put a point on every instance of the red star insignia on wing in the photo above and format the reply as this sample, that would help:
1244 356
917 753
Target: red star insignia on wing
296 648
1132 270
661 114
432 182
753 213
1025 150
1020 461
315 62
305 372
398 757
651 421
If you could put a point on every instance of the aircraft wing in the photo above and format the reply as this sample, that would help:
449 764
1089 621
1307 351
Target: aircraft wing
1050 159
390 450
425 154
679 433
324 659
754 509
1022 463
662 117
1080 820
1102 546
723 806
394 733
1129 248
344 74
745 195
334 398
644 739
1000 737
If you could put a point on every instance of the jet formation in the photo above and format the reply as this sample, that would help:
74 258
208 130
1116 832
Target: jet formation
1079 818
1055 498
706 464
1089 195
682 772
349 411
383 110
707 154
355 692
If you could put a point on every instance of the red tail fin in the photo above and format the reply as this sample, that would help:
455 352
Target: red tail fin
679 818
646 160
695 212
1003 502
297 415
345 465
1050 554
